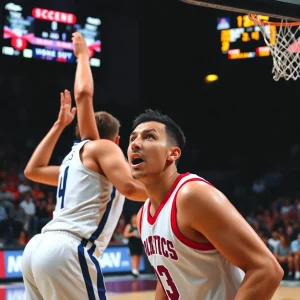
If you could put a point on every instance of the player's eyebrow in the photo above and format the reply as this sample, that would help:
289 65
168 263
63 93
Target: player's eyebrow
134 133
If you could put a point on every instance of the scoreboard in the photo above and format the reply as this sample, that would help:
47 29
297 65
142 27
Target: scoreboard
43 33
241 39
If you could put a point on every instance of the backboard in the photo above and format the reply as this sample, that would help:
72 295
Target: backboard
289 9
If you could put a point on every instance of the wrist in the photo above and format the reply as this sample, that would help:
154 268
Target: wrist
59 125
83 56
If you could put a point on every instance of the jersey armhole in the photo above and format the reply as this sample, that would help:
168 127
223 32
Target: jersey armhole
141 219
175 229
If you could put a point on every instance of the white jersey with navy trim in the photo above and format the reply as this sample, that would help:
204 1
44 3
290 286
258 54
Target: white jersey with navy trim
186 269
85 201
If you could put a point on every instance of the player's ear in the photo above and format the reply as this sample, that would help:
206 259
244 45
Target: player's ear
174 154
117 140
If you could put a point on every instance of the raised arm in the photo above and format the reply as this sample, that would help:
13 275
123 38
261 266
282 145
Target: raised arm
38 168
84 90
210 213
112 161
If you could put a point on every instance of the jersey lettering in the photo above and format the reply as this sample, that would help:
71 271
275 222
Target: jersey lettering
161 246
62 186
170 289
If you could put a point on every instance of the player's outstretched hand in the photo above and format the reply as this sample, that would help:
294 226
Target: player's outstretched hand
67 113
80 47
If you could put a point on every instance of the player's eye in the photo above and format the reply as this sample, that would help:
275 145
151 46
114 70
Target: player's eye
149 137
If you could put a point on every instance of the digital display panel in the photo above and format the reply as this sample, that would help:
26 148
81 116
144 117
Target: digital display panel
241 39
46 34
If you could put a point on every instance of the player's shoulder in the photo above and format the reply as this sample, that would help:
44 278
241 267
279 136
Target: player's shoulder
100 146
197 189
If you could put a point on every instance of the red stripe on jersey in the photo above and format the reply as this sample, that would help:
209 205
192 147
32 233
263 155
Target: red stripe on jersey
178 234
141 218
151 220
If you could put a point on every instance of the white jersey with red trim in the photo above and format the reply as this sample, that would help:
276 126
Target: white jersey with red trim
186 269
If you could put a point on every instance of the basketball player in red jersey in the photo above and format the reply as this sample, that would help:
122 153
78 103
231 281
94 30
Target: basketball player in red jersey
197 242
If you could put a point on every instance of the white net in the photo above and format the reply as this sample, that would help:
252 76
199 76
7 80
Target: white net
284 44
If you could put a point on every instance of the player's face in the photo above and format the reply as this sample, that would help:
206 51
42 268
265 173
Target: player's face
148 150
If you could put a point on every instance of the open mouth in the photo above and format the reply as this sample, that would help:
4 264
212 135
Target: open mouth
137 161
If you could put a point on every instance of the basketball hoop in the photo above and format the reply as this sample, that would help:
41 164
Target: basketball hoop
283 40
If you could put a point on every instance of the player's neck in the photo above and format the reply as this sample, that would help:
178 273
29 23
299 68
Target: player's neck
158 189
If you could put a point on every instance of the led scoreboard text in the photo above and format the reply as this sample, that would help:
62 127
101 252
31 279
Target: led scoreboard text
46 34
241 38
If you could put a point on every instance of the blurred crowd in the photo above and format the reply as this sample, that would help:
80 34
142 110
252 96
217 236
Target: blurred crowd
279 228
269 205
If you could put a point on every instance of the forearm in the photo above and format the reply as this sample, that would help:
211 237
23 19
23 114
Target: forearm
159 293
83 79
258 284
84 90
137 193
42 154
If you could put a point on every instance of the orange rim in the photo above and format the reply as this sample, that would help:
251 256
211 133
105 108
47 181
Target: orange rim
254 19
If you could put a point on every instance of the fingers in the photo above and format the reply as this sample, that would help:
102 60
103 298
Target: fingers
62 98
67 96
73 112
77 37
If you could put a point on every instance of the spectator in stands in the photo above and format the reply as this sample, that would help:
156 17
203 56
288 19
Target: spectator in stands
295 247
50 204
42 214
23 239
17 219
294 212
267 219
274 241
251 219
24 186
290 232
12 187
4 225
135 244
297 204
6 198
117 237
258 186
37 193
286 207
31 224
264 238
277 220
284 256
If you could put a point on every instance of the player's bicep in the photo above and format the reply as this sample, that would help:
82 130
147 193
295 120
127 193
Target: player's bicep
116 169
216 218
46 175
86 118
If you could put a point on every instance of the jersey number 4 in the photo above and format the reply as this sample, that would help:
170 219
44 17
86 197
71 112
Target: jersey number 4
172 292
62 187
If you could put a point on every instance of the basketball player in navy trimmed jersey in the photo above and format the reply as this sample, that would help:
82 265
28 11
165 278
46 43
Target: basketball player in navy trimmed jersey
93 181
197 242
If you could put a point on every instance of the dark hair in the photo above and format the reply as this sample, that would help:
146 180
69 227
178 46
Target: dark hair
173 130
108 126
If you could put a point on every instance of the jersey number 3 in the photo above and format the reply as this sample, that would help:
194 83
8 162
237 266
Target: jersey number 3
62 187
172 291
